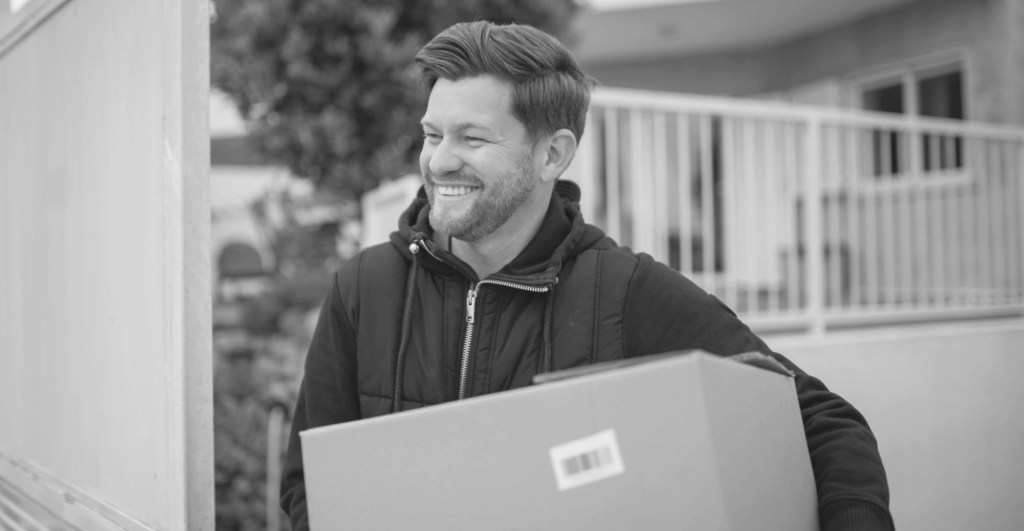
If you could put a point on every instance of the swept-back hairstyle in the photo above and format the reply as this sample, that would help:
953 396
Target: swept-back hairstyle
549 89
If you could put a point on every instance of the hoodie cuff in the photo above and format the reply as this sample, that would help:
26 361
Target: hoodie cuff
854 515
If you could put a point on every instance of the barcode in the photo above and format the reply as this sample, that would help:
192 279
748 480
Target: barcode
588 461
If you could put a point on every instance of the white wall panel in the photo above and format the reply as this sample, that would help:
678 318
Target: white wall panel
104 281
944 402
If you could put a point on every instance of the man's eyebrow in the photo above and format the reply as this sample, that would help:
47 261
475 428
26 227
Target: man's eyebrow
458 127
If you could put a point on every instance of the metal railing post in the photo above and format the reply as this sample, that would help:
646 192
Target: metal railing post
583 164
814 251
1020 221
275 424
924 235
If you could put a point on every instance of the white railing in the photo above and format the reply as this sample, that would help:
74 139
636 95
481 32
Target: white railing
912 218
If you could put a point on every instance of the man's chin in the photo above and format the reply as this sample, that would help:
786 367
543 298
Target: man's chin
445 224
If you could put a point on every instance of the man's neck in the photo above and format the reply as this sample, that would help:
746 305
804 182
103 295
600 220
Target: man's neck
491 253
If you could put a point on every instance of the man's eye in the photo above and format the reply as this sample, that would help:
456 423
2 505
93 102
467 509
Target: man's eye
432 136
474 139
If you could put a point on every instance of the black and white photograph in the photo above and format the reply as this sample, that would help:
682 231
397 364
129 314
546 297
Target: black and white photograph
574 265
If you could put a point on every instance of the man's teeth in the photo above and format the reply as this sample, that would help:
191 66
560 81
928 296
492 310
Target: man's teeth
455 190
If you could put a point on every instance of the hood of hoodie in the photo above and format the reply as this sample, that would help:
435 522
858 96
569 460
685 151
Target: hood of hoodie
562 235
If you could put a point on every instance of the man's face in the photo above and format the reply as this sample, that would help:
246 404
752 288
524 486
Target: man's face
477 164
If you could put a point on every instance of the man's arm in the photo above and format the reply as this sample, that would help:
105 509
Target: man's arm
328 395
665 312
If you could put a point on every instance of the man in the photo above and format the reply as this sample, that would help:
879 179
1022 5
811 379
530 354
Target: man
493 276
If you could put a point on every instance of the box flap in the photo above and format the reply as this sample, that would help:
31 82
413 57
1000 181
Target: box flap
755 359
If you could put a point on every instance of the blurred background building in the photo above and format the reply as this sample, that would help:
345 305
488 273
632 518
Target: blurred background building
239 179
941 58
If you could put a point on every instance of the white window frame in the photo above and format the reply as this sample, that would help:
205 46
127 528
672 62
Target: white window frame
908 73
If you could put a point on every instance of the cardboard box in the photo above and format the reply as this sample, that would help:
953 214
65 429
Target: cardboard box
683 442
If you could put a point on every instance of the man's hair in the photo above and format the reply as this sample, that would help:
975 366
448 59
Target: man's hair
549 89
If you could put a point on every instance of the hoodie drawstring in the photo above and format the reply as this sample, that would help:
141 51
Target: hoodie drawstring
548 304
403 346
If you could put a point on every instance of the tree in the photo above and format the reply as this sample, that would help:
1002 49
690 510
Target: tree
329 87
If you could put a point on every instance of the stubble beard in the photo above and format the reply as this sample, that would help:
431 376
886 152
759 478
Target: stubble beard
496 204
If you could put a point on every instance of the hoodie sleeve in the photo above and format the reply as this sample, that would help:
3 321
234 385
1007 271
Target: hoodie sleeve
664 311
328 395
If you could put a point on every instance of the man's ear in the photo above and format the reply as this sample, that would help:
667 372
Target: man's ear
558 153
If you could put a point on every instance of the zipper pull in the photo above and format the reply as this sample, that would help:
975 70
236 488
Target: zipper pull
470 305
417 244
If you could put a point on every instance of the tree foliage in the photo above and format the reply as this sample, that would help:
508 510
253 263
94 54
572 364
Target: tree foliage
261 340
329 87
251 375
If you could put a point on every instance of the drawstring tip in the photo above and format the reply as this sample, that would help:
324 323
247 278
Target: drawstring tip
414 248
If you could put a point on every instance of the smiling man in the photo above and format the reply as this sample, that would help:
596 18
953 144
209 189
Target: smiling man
493 276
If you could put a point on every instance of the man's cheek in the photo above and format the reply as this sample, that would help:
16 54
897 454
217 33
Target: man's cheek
425 154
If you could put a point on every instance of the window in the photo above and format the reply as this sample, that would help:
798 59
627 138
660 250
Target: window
941 96
932 89
886 99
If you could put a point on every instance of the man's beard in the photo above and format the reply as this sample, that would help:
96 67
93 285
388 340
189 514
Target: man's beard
494 206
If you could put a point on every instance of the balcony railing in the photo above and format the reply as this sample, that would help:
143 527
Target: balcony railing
809 218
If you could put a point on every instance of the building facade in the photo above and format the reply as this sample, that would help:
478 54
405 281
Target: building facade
831 56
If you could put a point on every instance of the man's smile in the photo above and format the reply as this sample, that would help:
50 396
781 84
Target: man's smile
454 191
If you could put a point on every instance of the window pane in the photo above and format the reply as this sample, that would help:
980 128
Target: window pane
885 99
886 148
941 96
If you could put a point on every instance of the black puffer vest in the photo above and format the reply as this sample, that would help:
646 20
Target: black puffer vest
429 331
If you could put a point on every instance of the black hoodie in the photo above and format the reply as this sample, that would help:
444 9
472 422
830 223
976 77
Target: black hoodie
408 325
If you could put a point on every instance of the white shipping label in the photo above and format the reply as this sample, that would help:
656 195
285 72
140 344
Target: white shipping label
587 460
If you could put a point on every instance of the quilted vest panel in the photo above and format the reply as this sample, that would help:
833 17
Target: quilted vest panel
587 318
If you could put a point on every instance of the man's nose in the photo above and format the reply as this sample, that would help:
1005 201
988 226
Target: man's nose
444 159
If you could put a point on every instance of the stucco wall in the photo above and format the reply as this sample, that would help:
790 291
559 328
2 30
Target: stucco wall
1007 51
945 404
725 74
899 35
989 30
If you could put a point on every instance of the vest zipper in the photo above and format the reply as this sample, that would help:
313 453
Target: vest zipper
474 289
471 318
